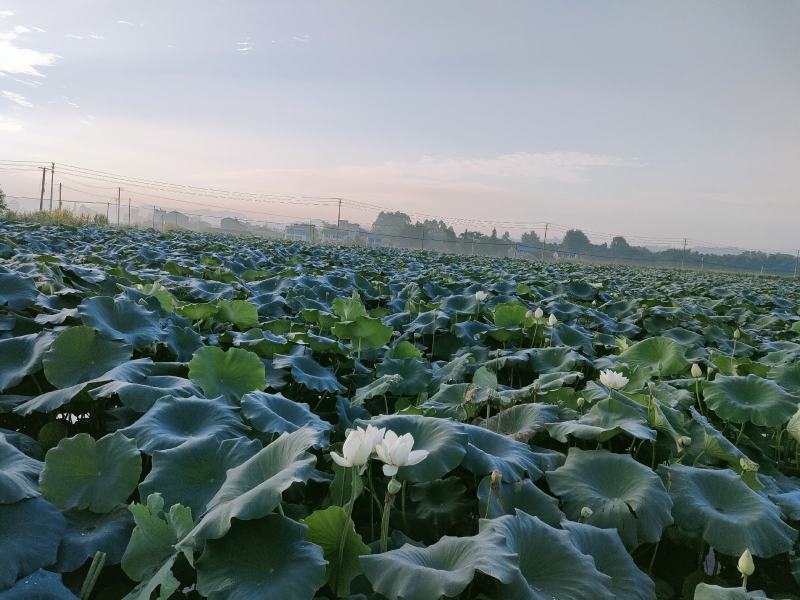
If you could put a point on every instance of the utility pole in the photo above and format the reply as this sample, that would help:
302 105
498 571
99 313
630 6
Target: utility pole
422 244
59 195
52 172
154 216
796 260
339 219
119 192
683 255
702 262
108 208
544 245
129 211
41 195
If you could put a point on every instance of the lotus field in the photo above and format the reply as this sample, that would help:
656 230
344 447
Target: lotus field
186 415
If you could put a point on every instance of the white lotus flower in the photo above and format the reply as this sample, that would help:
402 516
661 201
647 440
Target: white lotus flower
552 320
538 313
745 565
358 446
697 372
613 380
480 296
586 512
396 451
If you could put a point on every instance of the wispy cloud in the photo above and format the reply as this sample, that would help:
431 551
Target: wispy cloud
557 166
6 13
244 47
305 38
22 61
17 99
124 22
88 36
69 102
8 125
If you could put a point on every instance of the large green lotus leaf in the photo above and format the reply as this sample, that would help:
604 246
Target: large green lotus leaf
444 440
23 442
264 343
308 372
364 333
132 370
348 309
789 503
750 398
605 420
729 515
230 374
253 489
82 472
198 312
504 498
460 304
451 402
445 568
415 376
488 451
706 591
273 413
550 565
787 376
192 473
182 342
39 585
510 314
378 387
16 290
88 533
628 582
19 474
80 354
453 371
555 360
153 540
240 313
326 529
121 319
172 421
162 580
444 502
30 532
166 300
709 444
523 421
659 354
141 395
623 494
20 356
267 559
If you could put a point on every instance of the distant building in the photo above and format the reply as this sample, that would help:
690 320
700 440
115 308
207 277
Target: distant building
302 232
233 225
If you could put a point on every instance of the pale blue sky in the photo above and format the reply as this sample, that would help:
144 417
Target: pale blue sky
633 117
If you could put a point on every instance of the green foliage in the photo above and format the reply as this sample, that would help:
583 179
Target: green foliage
172 401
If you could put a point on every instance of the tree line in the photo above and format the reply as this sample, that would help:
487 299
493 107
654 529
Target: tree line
399 230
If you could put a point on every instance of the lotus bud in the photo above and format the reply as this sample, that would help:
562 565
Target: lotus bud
552 320
737 334
697 372
538 313
480 296
748 465
586 512
394 487
745 565
580 402
684 441
594 302
497 477
529 314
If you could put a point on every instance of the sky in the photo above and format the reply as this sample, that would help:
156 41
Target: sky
652 120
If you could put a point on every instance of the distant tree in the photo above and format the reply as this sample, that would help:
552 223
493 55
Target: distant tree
531 238
576 241
506 237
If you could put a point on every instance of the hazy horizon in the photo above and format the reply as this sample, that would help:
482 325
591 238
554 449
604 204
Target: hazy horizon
641 119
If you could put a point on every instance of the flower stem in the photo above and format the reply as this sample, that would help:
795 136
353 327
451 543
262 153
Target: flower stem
387 508
348 511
